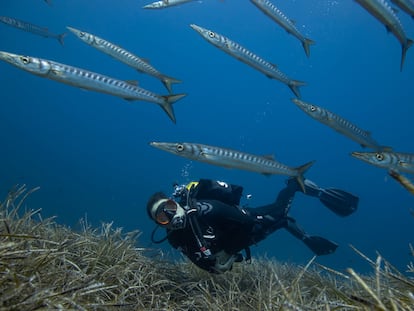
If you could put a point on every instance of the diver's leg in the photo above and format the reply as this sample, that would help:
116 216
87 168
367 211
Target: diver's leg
318 245
271 217
285 197
281 205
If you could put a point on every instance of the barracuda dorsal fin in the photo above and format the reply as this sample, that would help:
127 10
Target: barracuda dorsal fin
269 157
385 148
132 82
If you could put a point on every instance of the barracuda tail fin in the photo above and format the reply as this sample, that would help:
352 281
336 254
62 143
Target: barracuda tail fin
306 45
302 170
294 86
61 37
405 47
167 105
167 81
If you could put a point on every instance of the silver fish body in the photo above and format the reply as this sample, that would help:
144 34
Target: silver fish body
124 56
339 124
382 11
276 15
406 5
162 4
28 27
233 159
89 80
242 54
401 162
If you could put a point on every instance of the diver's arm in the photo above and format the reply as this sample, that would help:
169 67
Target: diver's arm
286 195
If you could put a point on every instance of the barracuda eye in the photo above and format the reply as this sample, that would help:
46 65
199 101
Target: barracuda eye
211 34
179 147
25 60
379 156
81 34
312 108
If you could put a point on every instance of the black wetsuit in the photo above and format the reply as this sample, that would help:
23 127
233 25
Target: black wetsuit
232 228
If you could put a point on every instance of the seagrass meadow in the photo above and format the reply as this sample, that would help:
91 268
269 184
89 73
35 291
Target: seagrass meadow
47 266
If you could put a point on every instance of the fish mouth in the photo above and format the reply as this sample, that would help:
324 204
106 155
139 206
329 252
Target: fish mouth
159 145
72 29
297 102
76 32
359 155
150 6
169 147
197 28
8 57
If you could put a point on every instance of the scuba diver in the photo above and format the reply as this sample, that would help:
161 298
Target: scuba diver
204 220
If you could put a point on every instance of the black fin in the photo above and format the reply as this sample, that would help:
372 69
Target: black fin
340 202
320 246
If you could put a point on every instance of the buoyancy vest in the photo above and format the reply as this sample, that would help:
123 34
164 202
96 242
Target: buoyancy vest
207 189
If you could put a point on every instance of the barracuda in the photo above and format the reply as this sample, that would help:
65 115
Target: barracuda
237 51
89 80
340 125
162 4
28 27
123 56
401 162
233 159
276 15
405 5
381 10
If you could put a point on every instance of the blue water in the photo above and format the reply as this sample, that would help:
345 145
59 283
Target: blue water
89 152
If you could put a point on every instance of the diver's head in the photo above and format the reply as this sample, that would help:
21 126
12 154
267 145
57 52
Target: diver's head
166 212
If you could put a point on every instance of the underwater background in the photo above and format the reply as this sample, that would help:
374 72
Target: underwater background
89 152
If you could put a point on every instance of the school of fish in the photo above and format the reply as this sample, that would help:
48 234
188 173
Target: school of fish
380 156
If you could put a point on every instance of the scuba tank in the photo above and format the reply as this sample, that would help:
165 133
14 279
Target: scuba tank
207 189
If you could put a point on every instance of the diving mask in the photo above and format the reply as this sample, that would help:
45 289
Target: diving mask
168 213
